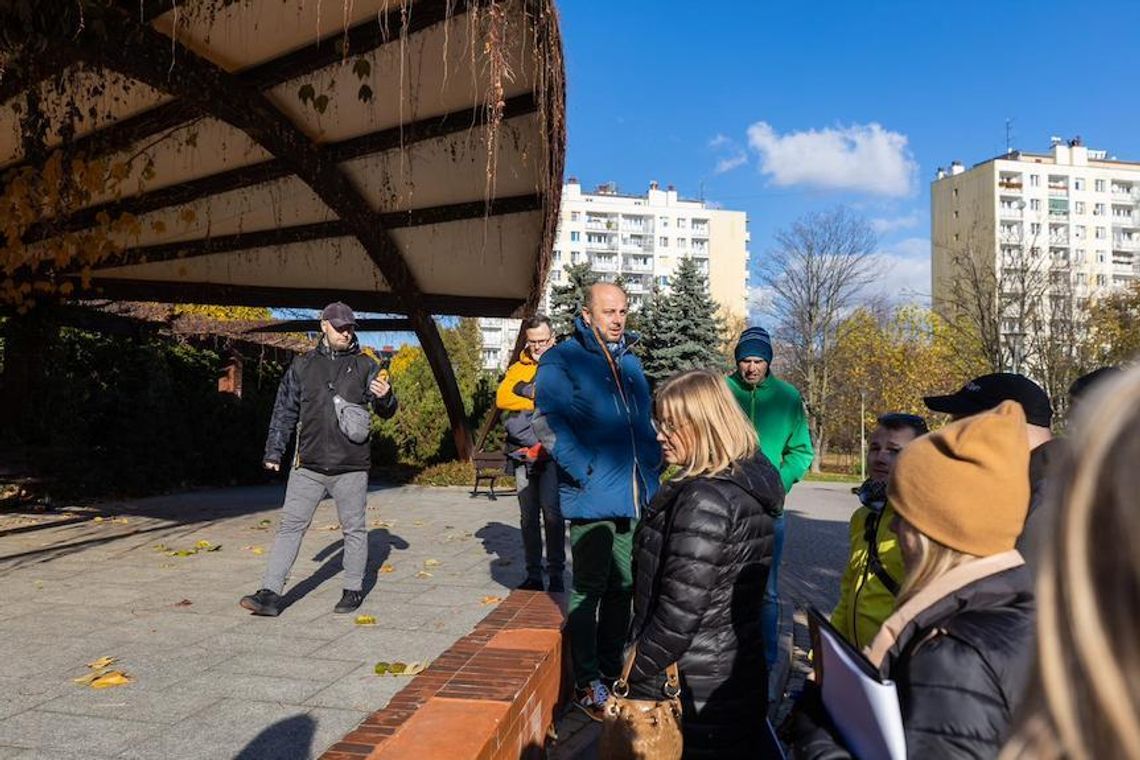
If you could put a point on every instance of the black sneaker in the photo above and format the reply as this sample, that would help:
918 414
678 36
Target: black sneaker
556 586
349 601
264 602
531 584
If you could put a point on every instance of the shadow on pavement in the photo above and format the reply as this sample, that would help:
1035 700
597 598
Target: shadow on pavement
505 542
380 545
288 739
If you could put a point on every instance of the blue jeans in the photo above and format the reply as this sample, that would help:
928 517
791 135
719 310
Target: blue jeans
770 611
539 513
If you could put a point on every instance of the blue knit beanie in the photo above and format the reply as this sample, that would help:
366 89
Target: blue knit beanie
754 342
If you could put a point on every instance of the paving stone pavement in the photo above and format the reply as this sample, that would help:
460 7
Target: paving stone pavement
210 680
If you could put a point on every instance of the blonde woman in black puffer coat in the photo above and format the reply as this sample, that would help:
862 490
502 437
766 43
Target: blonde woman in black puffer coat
702 553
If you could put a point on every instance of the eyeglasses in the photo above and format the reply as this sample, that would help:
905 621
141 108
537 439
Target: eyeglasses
539 343
665 427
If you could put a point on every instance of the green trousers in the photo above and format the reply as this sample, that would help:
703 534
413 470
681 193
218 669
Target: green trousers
599 610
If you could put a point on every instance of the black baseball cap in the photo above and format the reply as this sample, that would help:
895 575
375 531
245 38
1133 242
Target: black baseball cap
338 315
986 392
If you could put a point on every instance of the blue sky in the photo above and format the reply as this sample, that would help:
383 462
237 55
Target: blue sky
782 108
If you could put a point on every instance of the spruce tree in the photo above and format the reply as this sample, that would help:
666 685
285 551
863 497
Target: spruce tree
566 299
681 329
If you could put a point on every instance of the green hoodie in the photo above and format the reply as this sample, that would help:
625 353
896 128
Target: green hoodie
776 410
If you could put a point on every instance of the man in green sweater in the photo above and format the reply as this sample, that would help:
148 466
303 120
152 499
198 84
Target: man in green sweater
777 412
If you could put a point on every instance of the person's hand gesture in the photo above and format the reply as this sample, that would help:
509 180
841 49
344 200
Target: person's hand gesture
379 387
274 466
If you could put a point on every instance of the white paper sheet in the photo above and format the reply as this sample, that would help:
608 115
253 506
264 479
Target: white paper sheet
863 706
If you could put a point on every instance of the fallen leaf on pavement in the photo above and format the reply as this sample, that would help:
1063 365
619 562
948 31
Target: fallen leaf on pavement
423 574
432 563
262 525
387 568
400 668
114 678
121 520
87 679
492 599
331 526
419 523
415 668
183 603
97 519
365 620
102 662
381 524
203 544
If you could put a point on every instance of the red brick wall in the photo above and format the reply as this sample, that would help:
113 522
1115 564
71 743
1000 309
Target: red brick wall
491 696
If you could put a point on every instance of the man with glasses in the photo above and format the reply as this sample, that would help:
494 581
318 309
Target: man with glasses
875 567
536 478
328 458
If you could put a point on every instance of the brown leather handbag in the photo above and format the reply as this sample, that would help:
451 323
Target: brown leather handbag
642 729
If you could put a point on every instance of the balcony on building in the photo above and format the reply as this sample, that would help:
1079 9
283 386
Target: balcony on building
1123 190
1011 208
1010 233
1058 208
699 227
1010 181
636 223
1058 185
604 263
600 222
601 242
637 264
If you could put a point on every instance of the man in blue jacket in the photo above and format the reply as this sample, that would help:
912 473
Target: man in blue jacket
593 417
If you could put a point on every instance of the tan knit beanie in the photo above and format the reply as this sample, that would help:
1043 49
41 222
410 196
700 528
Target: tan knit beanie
967 485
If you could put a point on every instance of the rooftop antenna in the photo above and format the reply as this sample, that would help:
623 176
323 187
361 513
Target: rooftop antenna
1008 136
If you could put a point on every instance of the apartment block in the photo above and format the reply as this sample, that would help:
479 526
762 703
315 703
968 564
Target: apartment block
639 238
1072 214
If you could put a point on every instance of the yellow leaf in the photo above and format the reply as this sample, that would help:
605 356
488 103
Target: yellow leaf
423 574
415 668
203 544
432 563
89 678
258 550
365 620
387 568
492 600
102 662
98 520
114 678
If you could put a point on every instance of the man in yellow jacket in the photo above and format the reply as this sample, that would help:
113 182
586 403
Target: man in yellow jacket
536 476
875 569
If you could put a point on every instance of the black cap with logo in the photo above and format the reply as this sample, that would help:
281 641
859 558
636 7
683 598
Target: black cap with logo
986 392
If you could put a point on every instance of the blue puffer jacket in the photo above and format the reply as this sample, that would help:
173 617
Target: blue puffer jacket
599 433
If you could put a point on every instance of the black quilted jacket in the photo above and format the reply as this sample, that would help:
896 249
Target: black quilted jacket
961 669
701 558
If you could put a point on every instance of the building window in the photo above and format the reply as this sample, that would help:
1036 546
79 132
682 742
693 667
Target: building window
1079 207
1099 185
1034 228
663 242
1034 204
1035 180
1079 232
557 257
575 215
1100 257
956 236
681 223
557 275
575 236
663 221
955 193
1100 279
955 213
1098 209
1101 233
1078 183
681 242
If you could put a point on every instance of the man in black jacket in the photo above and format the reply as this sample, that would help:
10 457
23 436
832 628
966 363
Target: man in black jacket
330 457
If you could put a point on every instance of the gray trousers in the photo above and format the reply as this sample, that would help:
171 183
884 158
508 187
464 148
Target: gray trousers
305 490
538 510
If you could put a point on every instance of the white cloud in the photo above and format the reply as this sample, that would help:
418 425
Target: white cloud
732 162
721 141
760 299
887 226
904 272
862 157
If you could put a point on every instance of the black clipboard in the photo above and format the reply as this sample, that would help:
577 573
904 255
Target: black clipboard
817 621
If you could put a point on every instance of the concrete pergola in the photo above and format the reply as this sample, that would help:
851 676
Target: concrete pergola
404 156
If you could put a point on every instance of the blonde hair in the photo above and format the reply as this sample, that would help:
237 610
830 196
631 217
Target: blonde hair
1087 700
707 419
935 560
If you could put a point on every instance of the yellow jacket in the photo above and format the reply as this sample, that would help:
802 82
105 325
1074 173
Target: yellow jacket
864 600
522 371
